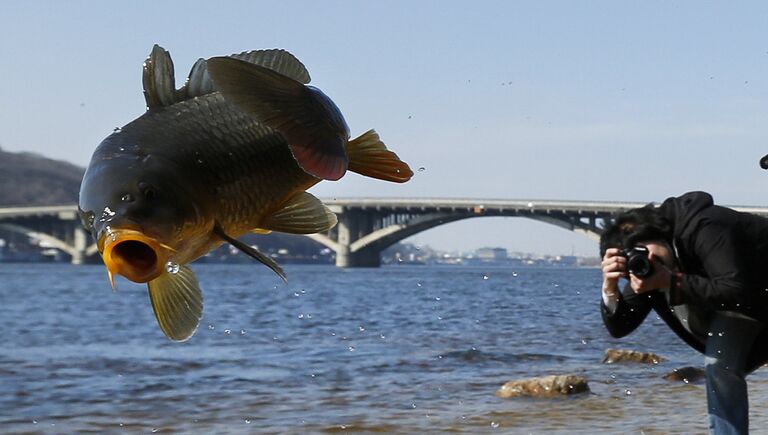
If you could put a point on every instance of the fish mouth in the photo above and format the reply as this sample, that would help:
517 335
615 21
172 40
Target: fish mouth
134 255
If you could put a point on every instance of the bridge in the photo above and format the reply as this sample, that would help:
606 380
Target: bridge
366 226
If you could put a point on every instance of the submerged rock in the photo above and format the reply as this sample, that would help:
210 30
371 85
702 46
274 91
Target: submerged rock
546 386
617 355
686 374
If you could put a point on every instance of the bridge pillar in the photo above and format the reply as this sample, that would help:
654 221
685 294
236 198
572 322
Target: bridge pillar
364 258
350 227
80 244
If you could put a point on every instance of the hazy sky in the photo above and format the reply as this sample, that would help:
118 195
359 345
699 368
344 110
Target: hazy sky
601 100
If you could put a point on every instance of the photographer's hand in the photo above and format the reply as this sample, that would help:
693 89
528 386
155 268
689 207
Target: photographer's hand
614 267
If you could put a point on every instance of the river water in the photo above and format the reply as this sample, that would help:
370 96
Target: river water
400 349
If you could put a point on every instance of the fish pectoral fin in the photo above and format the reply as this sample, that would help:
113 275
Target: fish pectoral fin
158 79
370 157
178 303
311 123
199 80
301 214
252 252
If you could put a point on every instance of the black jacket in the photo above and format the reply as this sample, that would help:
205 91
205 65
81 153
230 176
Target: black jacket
723 256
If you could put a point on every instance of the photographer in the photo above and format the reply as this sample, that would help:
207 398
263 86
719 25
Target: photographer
703 269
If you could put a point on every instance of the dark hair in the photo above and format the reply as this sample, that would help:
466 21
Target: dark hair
633 226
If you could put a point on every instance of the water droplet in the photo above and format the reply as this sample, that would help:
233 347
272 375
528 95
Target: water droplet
127 198
296 294
34 421
710 334
242 332
172 267
247 421
422 169
583 341
628 392
418 284
382 336
301 316
685 380
514 274
494 424
720 334
154 430
227 331
118 130
352 348
361 328
485 277
413 405
437 298
211 327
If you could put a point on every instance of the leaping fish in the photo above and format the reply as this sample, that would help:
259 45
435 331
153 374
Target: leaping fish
230 152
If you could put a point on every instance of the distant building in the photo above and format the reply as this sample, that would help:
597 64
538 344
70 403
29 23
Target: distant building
491 254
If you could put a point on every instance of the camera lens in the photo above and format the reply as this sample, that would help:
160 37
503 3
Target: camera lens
638 263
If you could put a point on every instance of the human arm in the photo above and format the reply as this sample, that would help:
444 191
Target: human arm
622 311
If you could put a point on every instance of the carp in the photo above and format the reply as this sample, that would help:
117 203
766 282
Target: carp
232 151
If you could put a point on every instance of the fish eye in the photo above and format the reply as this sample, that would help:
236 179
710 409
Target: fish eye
147 190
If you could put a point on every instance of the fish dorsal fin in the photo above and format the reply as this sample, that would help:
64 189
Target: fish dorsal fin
158 79
279 61
178 303
251 251
370 157
311 123
199 80
160 82
301 214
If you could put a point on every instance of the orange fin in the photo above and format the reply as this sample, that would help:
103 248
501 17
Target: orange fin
311 123
370 157
301 214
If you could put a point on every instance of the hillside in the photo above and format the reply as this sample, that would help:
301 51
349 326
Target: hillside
31 179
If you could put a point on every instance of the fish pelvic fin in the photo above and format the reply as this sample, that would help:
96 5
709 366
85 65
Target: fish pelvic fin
370 157
313 126
199 80
251 252
178 303
303 213
158 79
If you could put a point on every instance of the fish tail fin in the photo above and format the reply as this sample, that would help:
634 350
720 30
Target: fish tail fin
310 122
370 157
178 303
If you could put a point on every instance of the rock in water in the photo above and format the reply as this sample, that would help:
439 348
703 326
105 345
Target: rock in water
546 386
617 355
686 374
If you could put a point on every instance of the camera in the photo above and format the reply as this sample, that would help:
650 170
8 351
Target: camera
638 263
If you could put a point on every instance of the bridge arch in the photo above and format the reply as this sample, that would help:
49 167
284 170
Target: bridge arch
367 227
